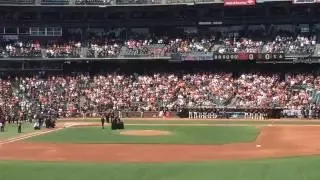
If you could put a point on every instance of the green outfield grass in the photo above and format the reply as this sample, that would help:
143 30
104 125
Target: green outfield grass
11 130
276 169
185 121
180 135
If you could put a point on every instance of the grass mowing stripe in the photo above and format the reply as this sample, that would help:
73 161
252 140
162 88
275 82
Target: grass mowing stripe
284 169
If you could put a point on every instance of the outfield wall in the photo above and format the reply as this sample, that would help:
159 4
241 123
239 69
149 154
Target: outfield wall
212 113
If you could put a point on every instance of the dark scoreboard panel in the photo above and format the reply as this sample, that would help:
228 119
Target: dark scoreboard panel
250 56
266 56
225 57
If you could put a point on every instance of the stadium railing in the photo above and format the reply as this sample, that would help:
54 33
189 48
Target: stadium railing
93 2
105 2
55 2
156 51
130 2
17 2
207 1
180 1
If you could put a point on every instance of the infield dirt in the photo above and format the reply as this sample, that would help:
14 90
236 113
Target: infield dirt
275 141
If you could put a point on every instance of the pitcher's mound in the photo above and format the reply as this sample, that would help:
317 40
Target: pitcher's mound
145 133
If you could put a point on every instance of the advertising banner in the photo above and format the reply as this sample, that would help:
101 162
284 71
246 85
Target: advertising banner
239 2
196 57
229 113
192 56
179 1
207 1
304 1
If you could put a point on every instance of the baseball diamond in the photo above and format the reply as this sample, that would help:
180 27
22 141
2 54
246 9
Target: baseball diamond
276 141
272 141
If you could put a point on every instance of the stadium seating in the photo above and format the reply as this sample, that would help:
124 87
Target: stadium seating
290 46
152 91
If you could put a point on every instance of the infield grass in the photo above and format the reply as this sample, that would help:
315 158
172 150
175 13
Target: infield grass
11 130
180 135
276 169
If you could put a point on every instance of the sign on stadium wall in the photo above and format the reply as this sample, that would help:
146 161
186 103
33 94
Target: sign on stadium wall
239 2
192 57
263 1
304 1
225 57
266 56
250 56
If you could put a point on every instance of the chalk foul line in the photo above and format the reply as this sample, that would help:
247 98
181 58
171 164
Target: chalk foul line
26 136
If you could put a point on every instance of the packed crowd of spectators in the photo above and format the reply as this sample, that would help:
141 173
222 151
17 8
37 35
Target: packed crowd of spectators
243 45
70 50
148 47
186 45
261 90
22 49
161 46
104 49
73 95
299 46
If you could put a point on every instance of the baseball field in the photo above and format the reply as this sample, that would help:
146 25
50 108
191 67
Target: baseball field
164 150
